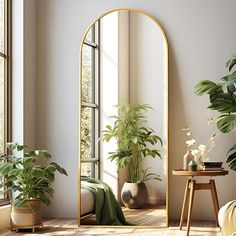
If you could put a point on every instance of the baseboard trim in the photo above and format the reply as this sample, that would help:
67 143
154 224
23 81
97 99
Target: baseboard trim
157 201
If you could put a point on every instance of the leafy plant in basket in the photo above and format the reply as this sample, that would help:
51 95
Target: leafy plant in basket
223 99
29 179
135 141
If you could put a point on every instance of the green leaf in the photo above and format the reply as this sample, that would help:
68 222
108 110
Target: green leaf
3 157
231 157
108 127
147 175
50 191
224 103
5 168
45 200
50 176
14 172
31 154
149 140
37 172
11 146
231 62
51 169
46 154
20 202
21 147
60 169
15 188
205 87
226 123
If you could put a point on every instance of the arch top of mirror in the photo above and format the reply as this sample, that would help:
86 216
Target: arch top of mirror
124 61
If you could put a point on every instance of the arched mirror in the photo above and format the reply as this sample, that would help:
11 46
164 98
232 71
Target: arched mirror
123 159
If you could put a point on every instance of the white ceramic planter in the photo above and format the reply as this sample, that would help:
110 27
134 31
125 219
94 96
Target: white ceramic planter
134 195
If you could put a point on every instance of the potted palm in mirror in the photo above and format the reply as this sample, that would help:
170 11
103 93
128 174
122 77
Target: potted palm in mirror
29 181
135 142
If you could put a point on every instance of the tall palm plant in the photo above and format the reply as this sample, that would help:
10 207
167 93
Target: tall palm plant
223 99
134 141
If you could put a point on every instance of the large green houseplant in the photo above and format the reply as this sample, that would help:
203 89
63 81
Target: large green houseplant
223 99
135 142
29 180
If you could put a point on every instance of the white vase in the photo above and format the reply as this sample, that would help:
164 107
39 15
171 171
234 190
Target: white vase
187 158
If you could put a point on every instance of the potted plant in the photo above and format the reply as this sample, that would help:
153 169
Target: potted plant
222 98
135 142
29 181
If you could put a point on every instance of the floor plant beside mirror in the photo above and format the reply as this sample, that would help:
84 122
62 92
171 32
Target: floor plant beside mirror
28 175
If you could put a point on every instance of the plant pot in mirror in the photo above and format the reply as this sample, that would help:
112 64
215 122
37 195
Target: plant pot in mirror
134 195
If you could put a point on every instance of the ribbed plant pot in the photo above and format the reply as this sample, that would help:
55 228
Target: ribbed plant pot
134 195
24 216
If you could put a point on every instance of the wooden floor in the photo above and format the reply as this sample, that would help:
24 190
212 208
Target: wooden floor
149 215
69 227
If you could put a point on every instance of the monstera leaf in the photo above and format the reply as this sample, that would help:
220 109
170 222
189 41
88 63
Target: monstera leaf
223 99
231 157
226 123
231 62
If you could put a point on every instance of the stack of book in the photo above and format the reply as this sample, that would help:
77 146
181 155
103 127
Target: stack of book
212 165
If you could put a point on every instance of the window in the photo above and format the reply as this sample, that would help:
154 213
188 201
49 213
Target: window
90 104
4 81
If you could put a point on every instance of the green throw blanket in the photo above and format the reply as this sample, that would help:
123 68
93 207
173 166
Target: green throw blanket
107 209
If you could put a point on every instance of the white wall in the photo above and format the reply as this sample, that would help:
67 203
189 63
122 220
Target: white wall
23 72
5 212
57 73
17 71
148 86
108 93
201 38
29 74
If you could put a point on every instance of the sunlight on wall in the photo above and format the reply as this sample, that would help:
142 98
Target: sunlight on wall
109 92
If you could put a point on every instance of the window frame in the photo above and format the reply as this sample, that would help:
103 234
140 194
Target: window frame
95 104
7 82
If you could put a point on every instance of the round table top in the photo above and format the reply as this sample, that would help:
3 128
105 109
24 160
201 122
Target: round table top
182 172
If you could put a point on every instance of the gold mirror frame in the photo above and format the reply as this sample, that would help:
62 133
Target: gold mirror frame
167 117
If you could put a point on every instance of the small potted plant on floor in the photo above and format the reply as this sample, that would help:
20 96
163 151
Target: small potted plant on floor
29 181
135 142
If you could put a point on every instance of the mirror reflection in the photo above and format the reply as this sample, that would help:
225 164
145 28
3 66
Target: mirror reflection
124 123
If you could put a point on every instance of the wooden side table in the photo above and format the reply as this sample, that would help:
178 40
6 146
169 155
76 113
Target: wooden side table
192 186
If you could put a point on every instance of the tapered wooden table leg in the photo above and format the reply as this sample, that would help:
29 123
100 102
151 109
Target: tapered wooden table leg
186 195
191 197
215 199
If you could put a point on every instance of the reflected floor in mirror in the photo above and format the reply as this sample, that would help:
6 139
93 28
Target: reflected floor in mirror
148 215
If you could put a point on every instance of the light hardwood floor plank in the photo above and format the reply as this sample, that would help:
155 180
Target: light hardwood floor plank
54 227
